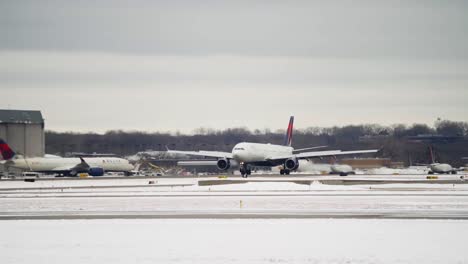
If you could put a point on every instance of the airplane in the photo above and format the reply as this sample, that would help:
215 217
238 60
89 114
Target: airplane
64 166
247 154
440 168
341 169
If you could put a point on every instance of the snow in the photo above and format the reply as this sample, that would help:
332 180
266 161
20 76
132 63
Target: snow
131 238
408 171
234 241
199 205
279 198
95 182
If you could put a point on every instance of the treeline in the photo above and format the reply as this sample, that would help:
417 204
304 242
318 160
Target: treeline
398 142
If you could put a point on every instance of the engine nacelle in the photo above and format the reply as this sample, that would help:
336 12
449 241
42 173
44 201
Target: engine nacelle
96 171
223 164
291 164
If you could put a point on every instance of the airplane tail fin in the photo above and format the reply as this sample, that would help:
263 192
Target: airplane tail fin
431 152
288 136
6 151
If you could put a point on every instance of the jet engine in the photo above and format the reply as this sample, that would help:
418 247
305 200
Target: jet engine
223 164
96 171
291 164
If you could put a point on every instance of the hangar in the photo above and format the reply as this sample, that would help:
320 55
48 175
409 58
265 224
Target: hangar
23 130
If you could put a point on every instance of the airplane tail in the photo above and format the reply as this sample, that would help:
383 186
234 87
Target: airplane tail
6 151
288 136
431 152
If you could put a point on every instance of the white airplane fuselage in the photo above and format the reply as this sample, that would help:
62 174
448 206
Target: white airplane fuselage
246 152
50 164
441 168
341 169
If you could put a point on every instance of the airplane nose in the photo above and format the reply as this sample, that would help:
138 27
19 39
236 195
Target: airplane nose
236 154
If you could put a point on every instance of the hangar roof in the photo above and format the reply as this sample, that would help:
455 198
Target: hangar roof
21 116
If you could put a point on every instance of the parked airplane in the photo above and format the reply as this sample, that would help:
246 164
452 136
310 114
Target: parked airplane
248 154
341 169
64 166
441 168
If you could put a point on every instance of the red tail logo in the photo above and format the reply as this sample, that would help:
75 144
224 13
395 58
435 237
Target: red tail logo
6 151
288 136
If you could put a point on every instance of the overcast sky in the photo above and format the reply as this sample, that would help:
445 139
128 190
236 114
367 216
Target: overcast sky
180 65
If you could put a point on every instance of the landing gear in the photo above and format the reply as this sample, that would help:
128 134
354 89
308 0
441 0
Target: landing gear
245 170
284 172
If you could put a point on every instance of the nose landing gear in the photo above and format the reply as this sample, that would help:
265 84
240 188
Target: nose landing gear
245 170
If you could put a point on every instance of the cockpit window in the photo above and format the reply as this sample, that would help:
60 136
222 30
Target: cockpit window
239 149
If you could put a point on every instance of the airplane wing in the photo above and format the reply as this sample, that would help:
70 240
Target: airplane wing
62 168
326 153
73 169
197 163
309 148
203 153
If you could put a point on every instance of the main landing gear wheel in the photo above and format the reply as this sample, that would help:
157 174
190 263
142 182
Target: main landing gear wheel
284 172
245 171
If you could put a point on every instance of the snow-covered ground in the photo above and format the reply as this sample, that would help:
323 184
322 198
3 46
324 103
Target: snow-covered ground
126 198
234 241
266 220
186 181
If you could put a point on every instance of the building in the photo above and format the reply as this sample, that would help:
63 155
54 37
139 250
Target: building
23 130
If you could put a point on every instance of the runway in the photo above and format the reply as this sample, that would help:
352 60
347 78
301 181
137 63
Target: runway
401 197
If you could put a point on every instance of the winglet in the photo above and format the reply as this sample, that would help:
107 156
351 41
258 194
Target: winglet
288 136
6 151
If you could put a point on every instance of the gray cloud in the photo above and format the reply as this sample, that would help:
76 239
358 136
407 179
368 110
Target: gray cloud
302 28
